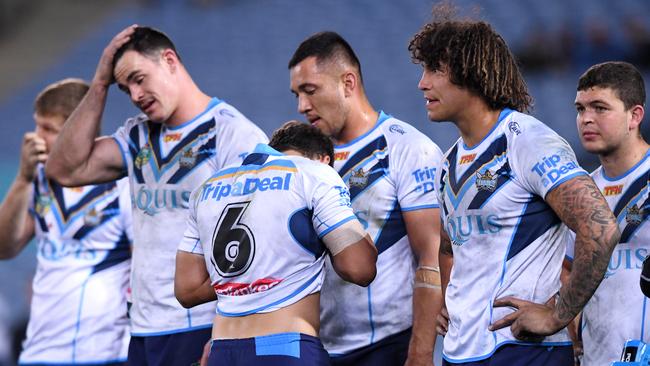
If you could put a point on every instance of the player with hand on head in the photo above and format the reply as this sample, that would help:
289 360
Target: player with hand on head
83 237
506 188
180 139
256 240
610 105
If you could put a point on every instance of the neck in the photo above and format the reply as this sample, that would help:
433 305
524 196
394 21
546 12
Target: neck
360 120
192 103
623 158
475 121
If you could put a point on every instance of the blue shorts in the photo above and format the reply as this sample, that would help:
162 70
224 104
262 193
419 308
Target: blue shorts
391 350
282 349
177 349
519 355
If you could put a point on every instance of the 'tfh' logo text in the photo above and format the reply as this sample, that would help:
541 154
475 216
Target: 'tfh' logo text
551 169
424 178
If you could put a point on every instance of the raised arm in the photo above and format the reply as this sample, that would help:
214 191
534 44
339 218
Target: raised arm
78 156
581 206
16 225
423 229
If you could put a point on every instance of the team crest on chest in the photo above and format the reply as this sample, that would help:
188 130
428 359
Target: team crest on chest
187 159
143 156
634 215
92 217
486 181
358 178
43 203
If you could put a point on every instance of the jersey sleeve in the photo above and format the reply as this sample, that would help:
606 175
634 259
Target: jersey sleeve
330 200
124 141
542 160
236 137
414 170
191 241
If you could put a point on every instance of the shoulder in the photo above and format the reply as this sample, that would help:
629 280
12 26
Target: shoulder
403 136
521 128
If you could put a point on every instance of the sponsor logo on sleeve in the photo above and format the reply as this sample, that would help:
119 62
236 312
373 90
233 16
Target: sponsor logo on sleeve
424 177
552 168
396 129
514 127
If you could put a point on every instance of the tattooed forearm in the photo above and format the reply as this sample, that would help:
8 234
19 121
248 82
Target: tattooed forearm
582 207
445 242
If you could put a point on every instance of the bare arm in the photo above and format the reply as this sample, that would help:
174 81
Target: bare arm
16 225
192 284
582 207
78 157
357 262
423 228
446 258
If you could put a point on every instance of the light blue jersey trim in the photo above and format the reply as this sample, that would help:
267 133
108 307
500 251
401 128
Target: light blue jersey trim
504 113
280 344
175 331
372 324
422 207
568 177
382 117
89 363
645 299
266 149
628 172
189 319
125 167
329 229
78 324
214 102
480 358
295 293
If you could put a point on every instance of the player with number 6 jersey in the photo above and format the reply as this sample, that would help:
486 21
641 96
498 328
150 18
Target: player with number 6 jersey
261 231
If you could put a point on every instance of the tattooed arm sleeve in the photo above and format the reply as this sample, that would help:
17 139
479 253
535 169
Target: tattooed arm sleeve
582 207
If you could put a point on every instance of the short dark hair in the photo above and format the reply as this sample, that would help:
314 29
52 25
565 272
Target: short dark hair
148 42
476 57
622 77
60 98
306 139
326 46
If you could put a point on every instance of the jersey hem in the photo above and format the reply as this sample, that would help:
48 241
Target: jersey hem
488 355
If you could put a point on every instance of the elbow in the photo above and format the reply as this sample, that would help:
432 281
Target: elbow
362 274
53 171
8 254
185 301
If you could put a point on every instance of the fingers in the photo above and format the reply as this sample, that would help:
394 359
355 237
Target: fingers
104 72
510 301
442 322
506 321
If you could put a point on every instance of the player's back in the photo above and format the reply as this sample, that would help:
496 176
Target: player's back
265 220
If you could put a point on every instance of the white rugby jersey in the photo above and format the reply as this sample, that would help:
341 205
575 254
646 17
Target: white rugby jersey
164 166
617 310
261 224
506 240
78 308
389 170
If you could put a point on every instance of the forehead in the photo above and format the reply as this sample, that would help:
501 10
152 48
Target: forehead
131 62
308 71
597 94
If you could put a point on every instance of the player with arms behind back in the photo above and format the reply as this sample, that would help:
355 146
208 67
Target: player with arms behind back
257 236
